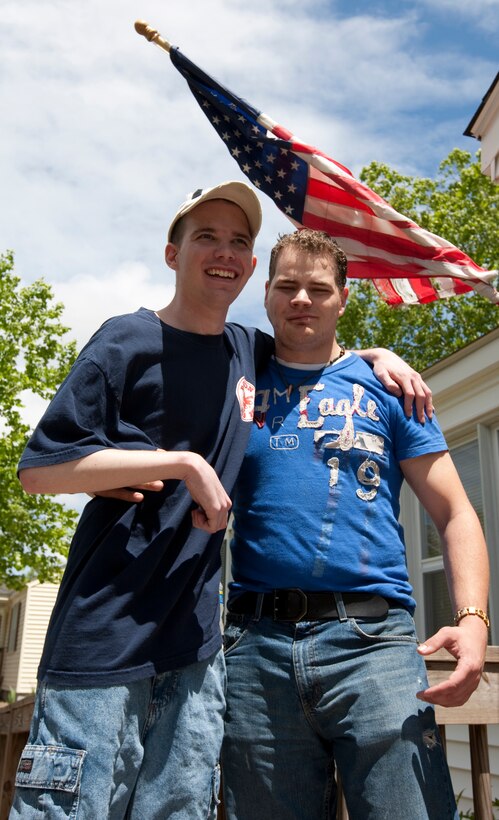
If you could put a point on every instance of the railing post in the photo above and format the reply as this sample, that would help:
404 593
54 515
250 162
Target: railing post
6 731
480 772
443 737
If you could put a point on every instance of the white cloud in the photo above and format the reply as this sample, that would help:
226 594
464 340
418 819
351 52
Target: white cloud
101 137
33 407
90 299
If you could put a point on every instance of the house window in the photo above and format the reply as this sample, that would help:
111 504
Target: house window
437 605
15 618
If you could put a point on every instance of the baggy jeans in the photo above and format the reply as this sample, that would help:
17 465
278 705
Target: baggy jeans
148 750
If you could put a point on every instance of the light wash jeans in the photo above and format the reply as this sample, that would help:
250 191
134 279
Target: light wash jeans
144 751
303 698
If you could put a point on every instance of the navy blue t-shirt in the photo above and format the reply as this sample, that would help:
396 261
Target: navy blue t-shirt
139 595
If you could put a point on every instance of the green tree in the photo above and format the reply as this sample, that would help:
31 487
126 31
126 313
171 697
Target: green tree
459 205
34 530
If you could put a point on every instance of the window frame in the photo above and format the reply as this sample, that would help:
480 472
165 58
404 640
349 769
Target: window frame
412 519
14 626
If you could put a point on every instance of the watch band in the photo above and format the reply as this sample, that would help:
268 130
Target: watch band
471 610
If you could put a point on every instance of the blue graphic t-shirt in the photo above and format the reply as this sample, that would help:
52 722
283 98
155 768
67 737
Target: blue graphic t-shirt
317 499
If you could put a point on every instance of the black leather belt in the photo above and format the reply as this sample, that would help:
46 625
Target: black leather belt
297 605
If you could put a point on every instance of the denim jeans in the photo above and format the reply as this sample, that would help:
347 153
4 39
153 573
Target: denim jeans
305 698
144 751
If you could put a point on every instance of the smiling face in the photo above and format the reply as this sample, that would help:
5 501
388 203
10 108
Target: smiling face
303 303
213 255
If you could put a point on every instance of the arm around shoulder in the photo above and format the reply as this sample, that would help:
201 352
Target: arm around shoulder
400 379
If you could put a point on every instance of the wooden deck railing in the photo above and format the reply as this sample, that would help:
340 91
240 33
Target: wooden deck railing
14 727
482 709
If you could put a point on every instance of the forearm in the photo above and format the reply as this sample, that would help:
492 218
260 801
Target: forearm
106 470
466 560
467 572
435 481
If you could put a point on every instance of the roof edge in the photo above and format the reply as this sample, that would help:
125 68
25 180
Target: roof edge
468 132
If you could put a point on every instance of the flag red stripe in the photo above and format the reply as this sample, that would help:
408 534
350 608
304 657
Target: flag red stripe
422 295
390 221
372 269
382 232
301 148
328 187
411 256
321 189
387 292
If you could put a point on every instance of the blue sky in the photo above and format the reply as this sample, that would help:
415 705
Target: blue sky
101 138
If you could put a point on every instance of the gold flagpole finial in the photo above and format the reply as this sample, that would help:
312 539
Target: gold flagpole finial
151 34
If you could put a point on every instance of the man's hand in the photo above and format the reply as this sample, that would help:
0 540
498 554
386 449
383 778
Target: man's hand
400 379
204 486
467 642
206 490
131 494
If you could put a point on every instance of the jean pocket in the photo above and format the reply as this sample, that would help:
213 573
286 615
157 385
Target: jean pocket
235 629
54 771
398 626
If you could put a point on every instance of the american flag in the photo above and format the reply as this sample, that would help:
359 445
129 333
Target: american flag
407 264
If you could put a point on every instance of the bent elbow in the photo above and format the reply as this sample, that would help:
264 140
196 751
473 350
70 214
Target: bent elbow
30 480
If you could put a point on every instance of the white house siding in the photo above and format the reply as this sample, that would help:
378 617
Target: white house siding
40 600
458 756
488 124
485 127
11 660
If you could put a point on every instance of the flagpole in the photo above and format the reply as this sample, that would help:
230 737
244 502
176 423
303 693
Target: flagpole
141 27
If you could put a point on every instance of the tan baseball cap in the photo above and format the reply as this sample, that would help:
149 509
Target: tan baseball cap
237 192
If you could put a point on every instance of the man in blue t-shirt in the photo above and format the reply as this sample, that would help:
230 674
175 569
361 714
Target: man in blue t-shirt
128 718
323 663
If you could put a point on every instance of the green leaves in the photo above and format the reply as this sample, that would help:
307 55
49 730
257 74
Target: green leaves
34 357
461 205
